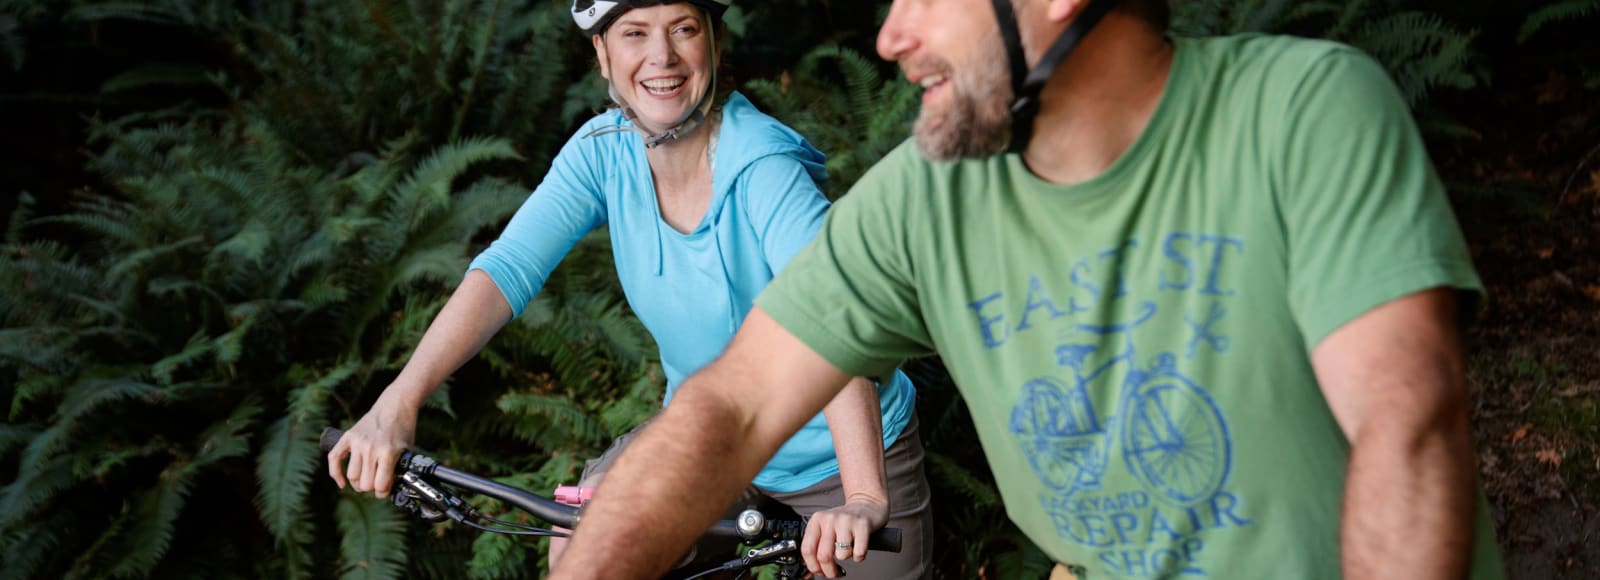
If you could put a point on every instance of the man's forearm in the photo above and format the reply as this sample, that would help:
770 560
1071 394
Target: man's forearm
1409 502
641 519
690 464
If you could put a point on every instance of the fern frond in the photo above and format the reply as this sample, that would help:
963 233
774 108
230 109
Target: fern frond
24 549
372 542
104 220
1028 561
543 416
1562 10
427 188
954 476
227 438
1420 51
145 541
20 216
285 467
138 260
13 434
34 486
443 264
230 346
156 75
199 345
498 556
90 394
136 11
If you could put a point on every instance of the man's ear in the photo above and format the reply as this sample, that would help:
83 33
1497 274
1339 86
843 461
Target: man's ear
1063 10
601 55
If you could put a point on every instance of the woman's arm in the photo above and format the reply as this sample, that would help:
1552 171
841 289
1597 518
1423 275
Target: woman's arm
856 423
475 312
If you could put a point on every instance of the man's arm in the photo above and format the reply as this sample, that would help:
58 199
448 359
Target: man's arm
1393 378
722 426
855 420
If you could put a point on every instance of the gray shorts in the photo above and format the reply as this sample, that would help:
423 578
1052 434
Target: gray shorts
908 503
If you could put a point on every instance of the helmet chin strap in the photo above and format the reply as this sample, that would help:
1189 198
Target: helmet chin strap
1025 84
692 119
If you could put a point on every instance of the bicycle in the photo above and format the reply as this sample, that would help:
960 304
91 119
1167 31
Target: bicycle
427 489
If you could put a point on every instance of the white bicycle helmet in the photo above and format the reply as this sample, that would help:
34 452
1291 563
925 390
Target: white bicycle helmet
593 16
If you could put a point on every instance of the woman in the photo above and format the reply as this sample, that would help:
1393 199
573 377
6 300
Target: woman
705 203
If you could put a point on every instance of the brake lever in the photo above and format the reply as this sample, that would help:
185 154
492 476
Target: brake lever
427 502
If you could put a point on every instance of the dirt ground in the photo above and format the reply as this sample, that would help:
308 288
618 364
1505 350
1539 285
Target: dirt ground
1530 206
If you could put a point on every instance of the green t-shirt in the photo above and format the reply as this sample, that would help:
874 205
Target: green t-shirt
1134 349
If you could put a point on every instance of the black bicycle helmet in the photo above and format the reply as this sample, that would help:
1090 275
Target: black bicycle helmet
593 16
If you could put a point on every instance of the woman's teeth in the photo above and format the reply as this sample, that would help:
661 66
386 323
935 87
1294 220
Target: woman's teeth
662 86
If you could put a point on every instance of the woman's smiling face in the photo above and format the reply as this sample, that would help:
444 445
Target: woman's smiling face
659 61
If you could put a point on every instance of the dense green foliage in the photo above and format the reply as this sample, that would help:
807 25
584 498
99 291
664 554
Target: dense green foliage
256 268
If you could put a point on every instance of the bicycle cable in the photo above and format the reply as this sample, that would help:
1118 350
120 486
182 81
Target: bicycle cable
556 533
722 568
514 532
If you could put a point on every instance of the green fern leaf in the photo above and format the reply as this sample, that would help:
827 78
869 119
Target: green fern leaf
545 416
954 476
12 435
427 188
230 346
138 260
198 346
136 11
1028 561
227 438
147 538
35 484
373 542
1563 10
25 548
156 75
244 250
90 394
285 469
498 556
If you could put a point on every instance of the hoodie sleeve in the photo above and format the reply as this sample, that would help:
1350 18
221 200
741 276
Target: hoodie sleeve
784 206
565 207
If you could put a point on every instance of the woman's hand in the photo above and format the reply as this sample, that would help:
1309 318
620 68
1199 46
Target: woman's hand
841 533
374 444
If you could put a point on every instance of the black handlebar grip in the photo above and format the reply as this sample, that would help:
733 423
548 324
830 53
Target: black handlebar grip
885 540
330 437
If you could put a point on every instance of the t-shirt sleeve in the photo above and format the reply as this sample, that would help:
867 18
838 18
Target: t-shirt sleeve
1366 216
565 207
784 205
851 294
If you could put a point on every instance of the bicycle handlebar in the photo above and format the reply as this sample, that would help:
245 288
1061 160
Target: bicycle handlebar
560 514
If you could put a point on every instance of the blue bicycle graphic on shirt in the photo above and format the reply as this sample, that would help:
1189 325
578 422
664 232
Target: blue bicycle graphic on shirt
1173 437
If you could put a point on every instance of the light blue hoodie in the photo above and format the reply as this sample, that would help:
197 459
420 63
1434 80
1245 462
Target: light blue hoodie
691 290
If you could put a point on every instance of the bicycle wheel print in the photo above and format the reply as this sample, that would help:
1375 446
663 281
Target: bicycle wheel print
1175 440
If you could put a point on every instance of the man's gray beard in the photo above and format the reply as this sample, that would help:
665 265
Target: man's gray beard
978 124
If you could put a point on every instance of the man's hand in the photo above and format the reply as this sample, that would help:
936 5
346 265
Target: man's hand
374 445
829 531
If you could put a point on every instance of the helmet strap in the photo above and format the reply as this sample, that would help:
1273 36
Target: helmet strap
1025 84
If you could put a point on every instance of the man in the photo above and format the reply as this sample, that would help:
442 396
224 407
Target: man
1204 315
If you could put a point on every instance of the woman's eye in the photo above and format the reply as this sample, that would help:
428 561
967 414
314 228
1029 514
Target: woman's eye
685 30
